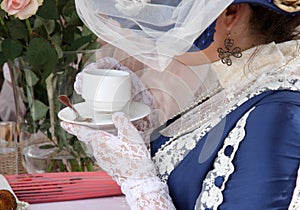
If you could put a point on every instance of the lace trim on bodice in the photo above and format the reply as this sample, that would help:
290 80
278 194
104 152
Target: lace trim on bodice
211 196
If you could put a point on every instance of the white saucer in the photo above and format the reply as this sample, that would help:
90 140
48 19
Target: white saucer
135 111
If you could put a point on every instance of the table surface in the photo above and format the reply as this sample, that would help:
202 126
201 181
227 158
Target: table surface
105 203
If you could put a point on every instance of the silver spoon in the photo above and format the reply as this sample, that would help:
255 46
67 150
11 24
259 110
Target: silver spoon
66 101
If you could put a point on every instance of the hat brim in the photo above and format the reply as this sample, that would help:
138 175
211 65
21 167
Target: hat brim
267 4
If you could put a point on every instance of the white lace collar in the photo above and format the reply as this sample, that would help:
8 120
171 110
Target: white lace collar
253 63
234 79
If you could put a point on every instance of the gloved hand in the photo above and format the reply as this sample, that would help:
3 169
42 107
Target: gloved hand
124 155
126 158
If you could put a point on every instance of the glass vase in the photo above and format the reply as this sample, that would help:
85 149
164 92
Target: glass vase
46 147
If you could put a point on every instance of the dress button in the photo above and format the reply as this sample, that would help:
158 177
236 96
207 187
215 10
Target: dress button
228 150
219 181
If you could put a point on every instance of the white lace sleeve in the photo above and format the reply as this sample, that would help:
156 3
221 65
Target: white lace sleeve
295 203
151 193
126 158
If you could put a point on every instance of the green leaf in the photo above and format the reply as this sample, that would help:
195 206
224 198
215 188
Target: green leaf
38 28
45 126
68 8
56 39
38 110
42 57
68 34
48 10
38 52
81 42
73 20
88 164
74 165
29 98
86 31
31 78
51 63
59 51
17 29
70 14
11 49
38 22
92 46
46 24
49 26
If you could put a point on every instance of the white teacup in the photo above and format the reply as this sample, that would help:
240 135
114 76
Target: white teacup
106 90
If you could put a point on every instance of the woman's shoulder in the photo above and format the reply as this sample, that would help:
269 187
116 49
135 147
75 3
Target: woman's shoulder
278 113
281 96
280 106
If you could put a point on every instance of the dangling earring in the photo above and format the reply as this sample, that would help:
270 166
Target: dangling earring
224 55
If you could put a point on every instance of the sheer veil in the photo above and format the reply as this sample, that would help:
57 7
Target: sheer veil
152 31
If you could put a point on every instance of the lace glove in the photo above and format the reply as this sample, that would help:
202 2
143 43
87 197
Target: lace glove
139 92
126 158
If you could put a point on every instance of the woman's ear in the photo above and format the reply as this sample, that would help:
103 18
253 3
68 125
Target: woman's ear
231 15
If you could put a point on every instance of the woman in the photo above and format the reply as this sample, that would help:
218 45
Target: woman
236 147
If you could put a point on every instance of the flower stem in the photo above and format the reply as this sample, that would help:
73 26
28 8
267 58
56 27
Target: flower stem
28 27
4 26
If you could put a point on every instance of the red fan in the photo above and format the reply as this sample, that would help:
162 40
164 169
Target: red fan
63 186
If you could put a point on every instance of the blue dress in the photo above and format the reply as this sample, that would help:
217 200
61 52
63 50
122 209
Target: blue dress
265 163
